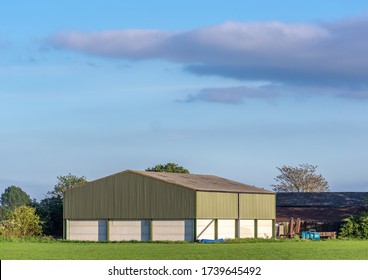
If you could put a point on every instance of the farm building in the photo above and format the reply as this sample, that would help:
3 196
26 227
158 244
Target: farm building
321 211
140 205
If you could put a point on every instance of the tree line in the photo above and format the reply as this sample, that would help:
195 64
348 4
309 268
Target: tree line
22 216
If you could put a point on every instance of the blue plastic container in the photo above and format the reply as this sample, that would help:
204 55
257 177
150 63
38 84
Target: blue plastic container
212 240
311 234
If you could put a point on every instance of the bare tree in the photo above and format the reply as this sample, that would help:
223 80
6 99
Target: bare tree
300 179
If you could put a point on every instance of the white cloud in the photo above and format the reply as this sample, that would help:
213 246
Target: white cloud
333 54
120 43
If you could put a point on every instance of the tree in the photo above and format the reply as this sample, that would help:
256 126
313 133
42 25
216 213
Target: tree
4 212
50 209
169 168
355 226
22 222
300 179
14 197
67 182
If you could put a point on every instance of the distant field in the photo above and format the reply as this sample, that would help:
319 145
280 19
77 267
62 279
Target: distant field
249 250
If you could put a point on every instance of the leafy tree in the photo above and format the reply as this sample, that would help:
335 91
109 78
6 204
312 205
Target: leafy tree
22 222
13 197
300 179
4 212
169 168
50 210
355 226
67 182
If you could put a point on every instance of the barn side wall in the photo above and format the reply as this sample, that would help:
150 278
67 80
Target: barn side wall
258 206
229 215
129 196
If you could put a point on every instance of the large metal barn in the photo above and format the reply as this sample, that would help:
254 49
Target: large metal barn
140 205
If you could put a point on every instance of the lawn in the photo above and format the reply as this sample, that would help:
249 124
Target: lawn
248 250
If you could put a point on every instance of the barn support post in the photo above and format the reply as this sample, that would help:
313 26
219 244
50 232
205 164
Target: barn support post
255 228
237 225
67 229
216 228
64 229
107 230
150 230
194 229
273 228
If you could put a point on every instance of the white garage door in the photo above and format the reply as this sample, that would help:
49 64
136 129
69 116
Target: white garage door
181 230
264 228
246 228
129 230
226 228
206 229
87 230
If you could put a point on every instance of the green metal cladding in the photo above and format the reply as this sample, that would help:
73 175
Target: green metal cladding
257 206
217 205
129 196
135 195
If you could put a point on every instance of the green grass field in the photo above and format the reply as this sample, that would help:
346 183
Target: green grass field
248 250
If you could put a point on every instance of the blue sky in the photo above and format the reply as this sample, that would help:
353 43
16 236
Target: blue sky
231 88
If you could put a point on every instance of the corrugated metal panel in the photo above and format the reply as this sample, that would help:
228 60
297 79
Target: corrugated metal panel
216 205
203 182
128 195
257 206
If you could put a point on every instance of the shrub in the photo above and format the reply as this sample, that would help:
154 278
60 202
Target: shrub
355 227
22 222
